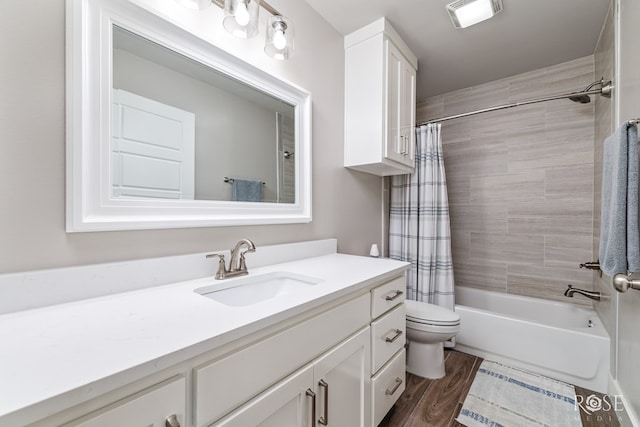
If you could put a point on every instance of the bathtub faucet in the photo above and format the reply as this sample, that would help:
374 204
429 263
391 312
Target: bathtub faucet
589 294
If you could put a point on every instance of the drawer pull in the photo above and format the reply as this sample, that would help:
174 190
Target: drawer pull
395 295
324 420
395 387
172 421
311 394
398 334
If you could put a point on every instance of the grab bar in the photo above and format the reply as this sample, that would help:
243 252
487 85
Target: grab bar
622 283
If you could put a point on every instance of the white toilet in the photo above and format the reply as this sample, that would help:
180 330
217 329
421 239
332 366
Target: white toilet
428 327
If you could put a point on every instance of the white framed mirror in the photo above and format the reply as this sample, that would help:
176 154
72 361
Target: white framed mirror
165 130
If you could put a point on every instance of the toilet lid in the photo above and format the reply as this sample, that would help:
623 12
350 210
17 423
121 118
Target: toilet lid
422 312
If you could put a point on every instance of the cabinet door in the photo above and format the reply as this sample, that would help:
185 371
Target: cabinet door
343 383
287 404
408 112
394 144
150 408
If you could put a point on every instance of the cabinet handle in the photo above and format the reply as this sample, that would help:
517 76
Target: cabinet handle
324 420
172 421
400 144
311 394
395 387
395 337
396 294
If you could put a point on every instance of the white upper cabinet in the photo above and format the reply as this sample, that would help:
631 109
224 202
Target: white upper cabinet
380 99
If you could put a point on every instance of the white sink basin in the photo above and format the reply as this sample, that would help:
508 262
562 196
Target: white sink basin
253 290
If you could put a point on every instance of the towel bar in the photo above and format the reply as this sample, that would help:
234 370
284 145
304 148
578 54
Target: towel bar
591 265
634 122
622 283
230 180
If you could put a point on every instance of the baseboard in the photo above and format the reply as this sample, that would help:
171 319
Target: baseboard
627 417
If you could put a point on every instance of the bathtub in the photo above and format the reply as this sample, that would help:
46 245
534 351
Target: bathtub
556 339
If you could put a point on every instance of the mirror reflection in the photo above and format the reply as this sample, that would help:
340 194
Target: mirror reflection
182 130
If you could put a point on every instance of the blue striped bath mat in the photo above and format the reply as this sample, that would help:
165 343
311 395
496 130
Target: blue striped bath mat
501 396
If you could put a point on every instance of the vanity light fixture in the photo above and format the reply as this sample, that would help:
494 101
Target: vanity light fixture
241 20
465 13
195 4
279 41
241 17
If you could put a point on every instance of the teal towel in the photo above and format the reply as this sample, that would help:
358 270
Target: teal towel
244 190
619 232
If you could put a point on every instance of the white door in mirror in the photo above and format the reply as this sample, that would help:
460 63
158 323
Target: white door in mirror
153 148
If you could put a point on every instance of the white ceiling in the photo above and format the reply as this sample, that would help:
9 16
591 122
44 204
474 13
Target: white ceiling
526 35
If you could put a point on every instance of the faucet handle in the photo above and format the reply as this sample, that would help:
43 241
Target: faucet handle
222 267
243 261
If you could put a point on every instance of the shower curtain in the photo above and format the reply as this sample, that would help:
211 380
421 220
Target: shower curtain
419 229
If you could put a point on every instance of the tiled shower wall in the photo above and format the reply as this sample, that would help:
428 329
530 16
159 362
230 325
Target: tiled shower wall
520 182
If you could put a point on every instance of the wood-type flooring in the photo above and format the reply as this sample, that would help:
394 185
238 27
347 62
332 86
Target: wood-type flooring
437 403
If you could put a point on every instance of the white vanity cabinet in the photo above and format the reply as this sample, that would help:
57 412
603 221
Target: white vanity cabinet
342 383
329 391
326 341
307 365
380 99
163 405
388 339
287 404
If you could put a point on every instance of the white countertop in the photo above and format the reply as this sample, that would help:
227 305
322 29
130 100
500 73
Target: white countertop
76 351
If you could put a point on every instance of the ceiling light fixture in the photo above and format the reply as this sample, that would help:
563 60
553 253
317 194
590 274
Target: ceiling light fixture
241 20
465 13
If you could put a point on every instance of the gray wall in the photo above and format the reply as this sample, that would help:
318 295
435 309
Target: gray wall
520 182
346 204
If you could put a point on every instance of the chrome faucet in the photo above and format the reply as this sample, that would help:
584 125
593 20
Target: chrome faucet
589 294
237 264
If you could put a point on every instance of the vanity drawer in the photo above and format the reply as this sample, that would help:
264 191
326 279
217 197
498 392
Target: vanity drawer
224 384
150 407
387 386
387 296
388 335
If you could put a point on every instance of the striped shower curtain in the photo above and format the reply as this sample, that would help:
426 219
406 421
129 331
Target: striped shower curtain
419 230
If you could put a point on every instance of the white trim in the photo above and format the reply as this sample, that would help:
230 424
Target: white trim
90 206
628 416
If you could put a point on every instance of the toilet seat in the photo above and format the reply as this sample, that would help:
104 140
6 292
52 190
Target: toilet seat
423 313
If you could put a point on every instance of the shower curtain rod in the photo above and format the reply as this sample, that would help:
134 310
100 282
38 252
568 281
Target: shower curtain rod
604 90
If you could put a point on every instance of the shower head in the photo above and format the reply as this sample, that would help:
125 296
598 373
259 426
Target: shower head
582 99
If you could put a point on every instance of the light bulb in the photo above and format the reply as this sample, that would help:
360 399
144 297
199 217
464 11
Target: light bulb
242 14
279 40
